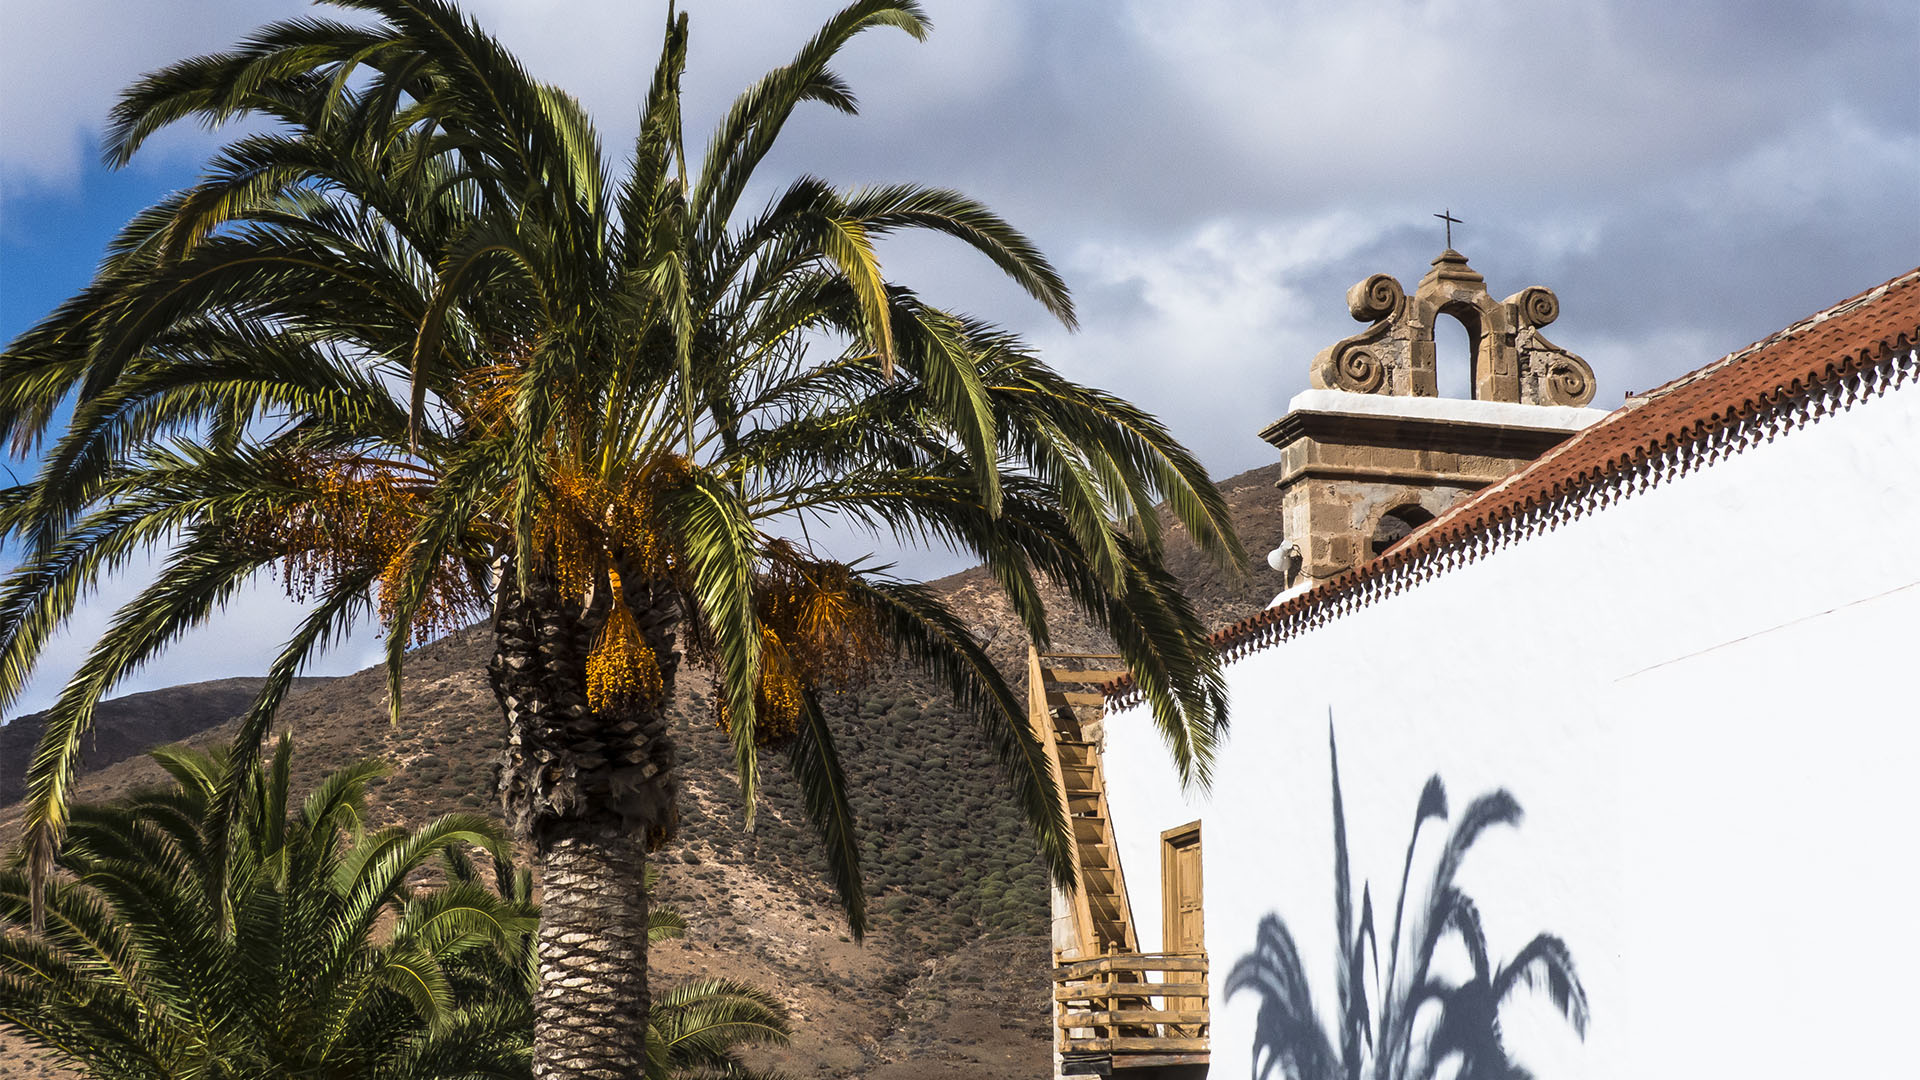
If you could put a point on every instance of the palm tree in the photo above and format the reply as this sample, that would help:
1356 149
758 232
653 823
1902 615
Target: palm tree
1290 1041
310 953
699 1026
421 350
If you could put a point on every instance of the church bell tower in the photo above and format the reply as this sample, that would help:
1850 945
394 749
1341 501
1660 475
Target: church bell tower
1372 452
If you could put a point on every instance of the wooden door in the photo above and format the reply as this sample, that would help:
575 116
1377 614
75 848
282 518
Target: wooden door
1183 929
1182 923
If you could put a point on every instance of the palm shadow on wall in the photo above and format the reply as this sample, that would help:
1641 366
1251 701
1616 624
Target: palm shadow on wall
1424 1023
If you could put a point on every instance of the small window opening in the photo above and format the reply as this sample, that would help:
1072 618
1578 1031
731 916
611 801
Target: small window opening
1397 524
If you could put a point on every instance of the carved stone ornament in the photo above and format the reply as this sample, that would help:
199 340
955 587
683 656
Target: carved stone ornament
1512 360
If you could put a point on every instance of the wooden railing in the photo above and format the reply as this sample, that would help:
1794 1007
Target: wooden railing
1132 1005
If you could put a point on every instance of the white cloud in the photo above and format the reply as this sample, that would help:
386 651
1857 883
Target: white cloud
1213 330
64 62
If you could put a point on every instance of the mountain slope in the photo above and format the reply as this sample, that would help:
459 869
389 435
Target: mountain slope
130 725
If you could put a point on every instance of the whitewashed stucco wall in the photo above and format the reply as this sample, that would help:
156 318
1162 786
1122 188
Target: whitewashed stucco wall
1705 699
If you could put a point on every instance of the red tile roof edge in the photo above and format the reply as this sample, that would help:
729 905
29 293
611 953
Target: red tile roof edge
1859 334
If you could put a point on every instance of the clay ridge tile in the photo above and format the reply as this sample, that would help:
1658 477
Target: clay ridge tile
1794 364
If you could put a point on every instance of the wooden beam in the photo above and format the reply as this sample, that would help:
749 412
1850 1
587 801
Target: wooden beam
1097 678
1077 698
1138 1045
1101 991
1130 1062
1132 962
1145 1016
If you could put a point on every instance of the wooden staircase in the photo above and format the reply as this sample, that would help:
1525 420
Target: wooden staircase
1115 1010
1063 696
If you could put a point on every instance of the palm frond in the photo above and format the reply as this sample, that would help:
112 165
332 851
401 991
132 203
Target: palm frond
815 764
722 550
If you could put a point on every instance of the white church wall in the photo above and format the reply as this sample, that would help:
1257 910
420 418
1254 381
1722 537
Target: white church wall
1704 699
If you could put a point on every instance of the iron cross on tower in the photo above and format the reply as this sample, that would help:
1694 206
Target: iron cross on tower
1451 222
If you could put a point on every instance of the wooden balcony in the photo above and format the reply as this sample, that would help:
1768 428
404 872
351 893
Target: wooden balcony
1131 1011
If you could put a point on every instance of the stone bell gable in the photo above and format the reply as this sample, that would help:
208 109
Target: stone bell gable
1512 360
1372 452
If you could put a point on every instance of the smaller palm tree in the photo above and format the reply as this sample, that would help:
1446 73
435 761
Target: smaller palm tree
1290 1041
699 1026
318 952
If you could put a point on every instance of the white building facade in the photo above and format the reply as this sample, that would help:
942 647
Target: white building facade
1666 678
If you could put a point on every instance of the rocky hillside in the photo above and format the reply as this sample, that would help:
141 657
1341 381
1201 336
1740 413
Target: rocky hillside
951 983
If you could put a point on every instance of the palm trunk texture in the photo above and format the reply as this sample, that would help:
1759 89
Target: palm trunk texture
593 791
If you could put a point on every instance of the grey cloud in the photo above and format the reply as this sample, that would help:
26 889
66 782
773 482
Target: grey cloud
1212 175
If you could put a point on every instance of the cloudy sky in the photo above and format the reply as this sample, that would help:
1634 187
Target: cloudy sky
1210 175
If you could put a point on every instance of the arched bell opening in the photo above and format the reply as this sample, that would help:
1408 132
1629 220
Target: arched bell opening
1456 351
1396 525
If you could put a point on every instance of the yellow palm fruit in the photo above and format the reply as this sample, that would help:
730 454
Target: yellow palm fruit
622 671
778 700
779 704
563 531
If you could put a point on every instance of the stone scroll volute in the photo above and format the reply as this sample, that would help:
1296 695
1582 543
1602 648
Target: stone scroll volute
1365 362
1549 374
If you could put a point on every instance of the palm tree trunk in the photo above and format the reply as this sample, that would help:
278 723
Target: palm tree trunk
594 791
590 1014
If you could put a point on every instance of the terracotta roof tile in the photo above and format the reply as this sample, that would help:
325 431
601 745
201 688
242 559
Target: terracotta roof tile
1792 365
